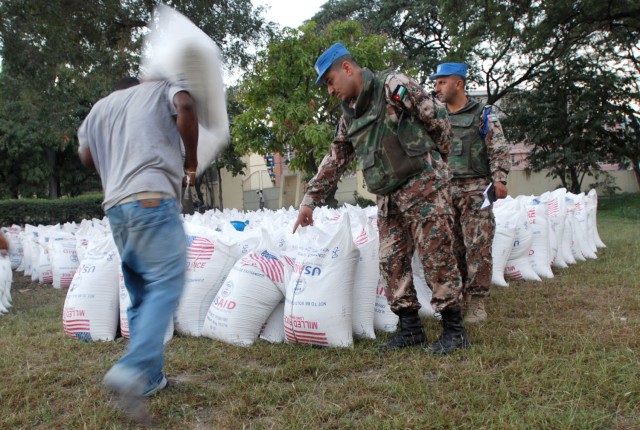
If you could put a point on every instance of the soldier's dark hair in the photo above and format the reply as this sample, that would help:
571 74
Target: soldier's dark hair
338 62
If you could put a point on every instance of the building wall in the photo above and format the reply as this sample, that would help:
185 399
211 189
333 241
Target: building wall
521 183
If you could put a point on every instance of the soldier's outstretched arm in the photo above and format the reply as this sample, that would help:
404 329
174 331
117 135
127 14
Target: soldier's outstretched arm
305 217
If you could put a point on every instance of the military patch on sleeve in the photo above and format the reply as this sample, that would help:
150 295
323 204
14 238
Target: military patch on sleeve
399 93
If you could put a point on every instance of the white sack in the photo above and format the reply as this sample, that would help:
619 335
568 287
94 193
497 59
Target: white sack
64 259
506 217
318 300
92 307
383 318
366 238
567 246
540 252
273 330
6 278
518 265
592 209
557 212
124 302
208 262
423 291
16 250
249 294
581 229
180 52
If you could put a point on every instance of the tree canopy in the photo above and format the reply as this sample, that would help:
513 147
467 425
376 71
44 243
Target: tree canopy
285 111
59 57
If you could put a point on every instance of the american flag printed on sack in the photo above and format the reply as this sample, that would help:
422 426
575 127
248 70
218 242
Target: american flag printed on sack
269 264
65 280
297 268
298 330
199 248
554 209
362 238
73 327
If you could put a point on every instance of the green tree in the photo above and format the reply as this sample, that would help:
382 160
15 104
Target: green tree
572 119
509 44
416 26
59 57
284 110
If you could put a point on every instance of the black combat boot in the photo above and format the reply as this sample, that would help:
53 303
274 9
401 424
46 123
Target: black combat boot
411 332
453 335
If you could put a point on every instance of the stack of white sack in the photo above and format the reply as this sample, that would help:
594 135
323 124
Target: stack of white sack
553 230
182 53
249 277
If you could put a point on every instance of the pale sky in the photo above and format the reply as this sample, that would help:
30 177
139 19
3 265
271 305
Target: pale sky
290 13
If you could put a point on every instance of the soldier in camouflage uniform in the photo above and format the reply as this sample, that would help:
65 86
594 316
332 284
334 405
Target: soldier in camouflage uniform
400 136
479 157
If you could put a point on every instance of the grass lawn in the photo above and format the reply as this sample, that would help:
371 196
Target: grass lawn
559 354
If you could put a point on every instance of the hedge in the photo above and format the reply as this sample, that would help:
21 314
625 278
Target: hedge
50 212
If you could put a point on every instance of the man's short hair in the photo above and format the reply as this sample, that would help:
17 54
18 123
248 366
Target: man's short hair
126 82
338 62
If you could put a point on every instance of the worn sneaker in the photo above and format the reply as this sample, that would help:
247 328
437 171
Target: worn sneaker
475 310
127 387
157 388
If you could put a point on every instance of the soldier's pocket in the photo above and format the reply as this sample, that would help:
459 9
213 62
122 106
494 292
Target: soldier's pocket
374 173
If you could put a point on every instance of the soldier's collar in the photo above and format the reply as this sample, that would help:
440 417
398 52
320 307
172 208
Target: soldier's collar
363 101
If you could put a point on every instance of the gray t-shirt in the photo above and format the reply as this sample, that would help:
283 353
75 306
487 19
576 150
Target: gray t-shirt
134 141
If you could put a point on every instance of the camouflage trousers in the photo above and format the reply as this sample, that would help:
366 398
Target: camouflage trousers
418 217
473 232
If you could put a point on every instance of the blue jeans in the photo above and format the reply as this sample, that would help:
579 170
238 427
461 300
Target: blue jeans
152 245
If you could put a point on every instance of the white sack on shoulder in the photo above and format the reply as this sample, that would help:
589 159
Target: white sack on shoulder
180 52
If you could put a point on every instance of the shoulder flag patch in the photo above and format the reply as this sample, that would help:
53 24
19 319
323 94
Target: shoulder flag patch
399 93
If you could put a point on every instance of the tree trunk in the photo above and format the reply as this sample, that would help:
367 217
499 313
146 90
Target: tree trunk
574 181
220 189
636 168
54 185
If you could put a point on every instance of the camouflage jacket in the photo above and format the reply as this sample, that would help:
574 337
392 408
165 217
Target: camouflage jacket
403 96
480 148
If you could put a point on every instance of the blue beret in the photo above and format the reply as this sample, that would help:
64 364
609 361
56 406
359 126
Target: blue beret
327 58
446 69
